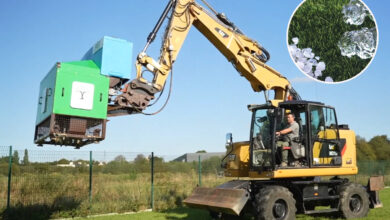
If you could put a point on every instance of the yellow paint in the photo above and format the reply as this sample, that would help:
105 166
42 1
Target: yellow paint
238 49
290 173
239 167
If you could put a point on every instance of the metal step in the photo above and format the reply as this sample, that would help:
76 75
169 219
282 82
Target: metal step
321 211
321 198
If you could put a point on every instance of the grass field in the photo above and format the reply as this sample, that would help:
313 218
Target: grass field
58 195
44 191
194 214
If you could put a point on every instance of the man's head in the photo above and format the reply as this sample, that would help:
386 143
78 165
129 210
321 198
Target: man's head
290 118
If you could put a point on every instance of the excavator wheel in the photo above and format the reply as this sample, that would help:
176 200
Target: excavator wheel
274 202
354 201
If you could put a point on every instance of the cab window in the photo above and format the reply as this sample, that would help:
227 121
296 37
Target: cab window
324 136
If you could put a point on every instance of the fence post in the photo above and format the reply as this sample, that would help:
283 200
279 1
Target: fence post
9 177
90 177
152 182
200 171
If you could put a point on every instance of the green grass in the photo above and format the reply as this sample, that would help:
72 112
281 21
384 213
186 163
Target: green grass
55 195
319 25
37 193
194 214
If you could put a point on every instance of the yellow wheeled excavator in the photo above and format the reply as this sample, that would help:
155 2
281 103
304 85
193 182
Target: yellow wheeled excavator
324 150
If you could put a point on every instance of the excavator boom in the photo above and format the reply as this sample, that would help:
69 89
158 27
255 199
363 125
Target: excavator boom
247 55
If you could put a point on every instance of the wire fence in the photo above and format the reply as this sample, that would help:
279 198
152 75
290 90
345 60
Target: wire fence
52 184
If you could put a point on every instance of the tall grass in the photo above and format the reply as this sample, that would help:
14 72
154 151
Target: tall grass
66 195
47 191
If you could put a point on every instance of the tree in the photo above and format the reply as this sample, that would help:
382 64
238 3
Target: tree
141 164
25 157
140 158
201 151
381 146
212 165
364 150
15 157
63 161
120 158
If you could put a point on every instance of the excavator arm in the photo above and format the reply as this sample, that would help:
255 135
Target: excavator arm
246 55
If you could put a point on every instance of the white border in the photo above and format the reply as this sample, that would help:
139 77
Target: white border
314 79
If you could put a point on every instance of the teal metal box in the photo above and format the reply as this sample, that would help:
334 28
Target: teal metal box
113 56
72 107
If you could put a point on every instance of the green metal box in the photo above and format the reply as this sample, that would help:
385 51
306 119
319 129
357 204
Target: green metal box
72 107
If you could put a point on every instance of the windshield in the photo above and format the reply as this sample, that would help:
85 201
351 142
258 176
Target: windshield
262 138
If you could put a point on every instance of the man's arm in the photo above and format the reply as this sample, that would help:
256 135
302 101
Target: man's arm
284 131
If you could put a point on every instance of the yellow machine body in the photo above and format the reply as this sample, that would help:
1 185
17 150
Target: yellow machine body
238 165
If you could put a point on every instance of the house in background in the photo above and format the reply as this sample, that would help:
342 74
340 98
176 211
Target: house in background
189 157
70 164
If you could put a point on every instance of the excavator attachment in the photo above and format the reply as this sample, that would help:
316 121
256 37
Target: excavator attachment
226 198
375 184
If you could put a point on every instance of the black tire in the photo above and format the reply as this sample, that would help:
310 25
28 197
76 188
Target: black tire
274 202
354 201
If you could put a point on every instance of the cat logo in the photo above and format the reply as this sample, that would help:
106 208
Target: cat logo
223 34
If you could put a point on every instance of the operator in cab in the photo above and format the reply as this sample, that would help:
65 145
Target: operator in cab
286 136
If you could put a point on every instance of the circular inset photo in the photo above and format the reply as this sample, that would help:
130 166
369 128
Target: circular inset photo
332 40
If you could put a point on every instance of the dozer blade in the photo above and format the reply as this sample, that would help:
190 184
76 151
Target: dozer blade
229 201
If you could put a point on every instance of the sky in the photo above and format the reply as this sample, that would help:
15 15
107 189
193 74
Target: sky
209 98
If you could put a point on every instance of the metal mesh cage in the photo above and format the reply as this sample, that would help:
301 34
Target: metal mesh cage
43 129
70 130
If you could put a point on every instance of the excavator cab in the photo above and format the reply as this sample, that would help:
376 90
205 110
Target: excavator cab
317 145
321 143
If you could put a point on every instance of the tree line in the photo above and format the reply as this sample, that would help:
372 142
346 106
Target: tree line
377 148
119 165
